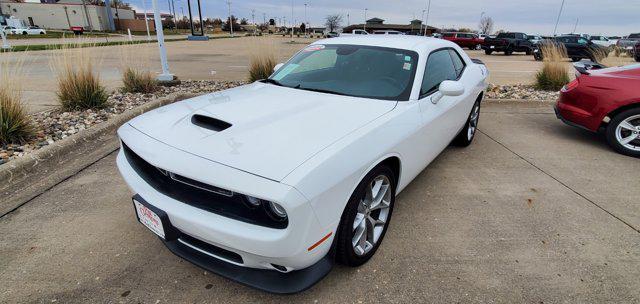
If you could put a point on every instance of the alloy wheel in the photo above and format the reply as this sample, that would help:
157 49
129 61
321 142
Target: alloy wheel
628 133
372 215
473 121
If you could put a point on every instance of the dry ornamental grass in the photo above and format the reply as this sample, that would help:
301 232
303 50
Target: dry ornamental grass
79 85
15 122
553 75
263 59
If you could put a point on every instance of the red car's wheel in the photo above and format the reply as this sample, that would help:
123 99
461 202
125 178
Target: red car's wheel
623 132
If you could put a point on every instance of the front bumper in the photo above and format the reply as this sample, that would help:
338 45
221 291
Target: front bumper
260 248
495 48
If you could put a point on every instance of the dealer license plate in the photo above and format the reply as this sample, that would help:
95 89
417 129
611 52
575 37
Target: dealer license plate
149 219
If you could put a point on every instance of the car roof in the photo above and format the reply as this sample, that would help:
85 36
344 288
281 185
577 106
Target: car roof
405 42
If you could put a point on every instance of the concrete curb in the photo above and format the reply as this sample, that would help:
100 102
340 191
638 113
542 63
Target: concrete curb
516 100
21 174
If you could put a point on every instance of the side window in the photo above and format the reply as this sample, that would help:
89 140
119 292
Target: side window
439 68
458 63
583 41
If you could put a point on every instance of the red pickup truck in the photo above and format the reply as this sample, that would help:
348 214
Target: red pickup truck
468 40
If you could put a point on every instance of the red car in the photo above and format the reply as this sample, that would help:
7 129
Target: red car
605 100
464 40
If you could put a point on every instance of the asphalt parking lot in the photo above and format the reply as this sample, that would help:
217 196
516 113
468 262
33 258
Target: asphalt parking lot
532 212
217 59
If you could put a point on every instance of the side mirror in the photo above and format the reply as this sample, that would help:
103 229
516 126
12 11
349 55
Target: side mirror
451 88
277 66
448 88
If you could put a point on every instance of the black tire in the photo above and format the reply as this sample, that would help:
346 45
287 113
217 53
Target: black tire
24 33
528 52
537 58
508 52
345 253
465 137
488 52
637 58
610 134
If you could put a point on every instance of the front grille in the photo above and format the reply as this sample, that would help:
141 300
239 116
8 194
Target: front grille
209 249
200 195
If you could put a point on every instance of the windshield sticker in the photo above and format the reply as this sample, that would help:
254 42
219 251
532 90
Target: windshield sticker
313 48
406 66
285 71
407 58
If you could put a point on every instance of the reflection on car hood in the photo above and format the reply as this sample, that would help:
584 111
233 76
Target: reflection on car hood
272 129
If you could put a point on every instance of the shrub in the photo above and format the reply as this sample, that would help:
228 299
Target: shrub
79 89
135 81
79 86
553 75
263 58
135 63
15 123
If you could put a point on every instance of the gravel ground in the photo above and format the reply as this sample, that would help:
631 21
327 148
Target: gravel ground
520 91
55 125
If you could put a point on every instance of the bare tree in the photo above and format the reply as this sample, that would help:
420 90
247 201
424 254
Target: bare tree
486 25
333 22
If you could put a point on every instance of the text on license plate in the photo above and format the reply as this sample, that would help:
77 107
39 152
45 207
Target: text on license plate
149 219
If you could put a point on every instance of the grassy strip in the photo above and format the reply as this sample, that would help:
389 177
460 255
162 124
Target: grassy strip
53 34
41 47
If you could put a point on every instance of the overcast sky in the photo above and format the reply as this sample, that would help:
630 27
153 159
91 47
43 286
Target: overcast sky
612 17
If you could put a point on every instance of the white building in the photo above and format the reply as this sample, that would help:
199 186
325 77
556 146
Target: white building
64 14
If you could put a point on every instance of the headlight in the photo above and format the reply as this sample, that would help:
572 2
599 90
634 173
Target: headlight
277 212
274 210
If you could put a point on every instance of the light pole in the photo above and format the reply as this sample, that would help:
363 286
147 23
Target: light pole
365 20
426 20
348 21
292 24
305 21
422 18
555 29
146 21
230 19
166 75
575 26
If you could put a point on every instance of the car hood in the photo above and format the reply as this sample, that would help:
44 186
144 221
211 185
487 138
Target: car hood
259 128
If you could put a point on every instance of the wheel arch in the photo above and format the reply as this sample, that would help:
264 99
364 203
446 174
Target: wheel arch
609 116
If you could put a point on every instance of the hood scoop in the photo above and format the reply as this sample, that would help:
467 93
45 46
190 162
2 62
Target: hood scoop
209 123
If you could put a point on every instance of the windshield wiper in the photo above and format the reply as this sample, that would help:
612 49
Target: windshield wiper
320 90
272 81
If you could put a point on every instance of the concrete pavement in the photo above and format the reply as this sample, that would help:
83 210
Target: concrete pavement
532 211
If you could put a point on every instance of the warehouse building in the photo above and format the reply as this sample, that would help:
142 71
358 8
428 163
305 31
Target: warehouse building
65 14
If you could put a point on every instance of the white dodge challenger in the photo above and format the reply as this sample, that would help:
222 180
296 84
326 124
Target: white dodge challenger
269 183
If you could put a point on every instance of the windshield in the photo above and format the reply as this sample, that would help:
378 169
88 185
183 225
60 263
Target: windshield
352 70
634 36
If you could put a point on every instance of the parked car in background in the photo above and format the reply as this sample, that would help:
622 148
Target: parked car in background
331 35
577 47
290 173
387 32
464 40
586 36
603 41
628 43
437 35
636 53
534 38
607 101
508 43
354 33
31 30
